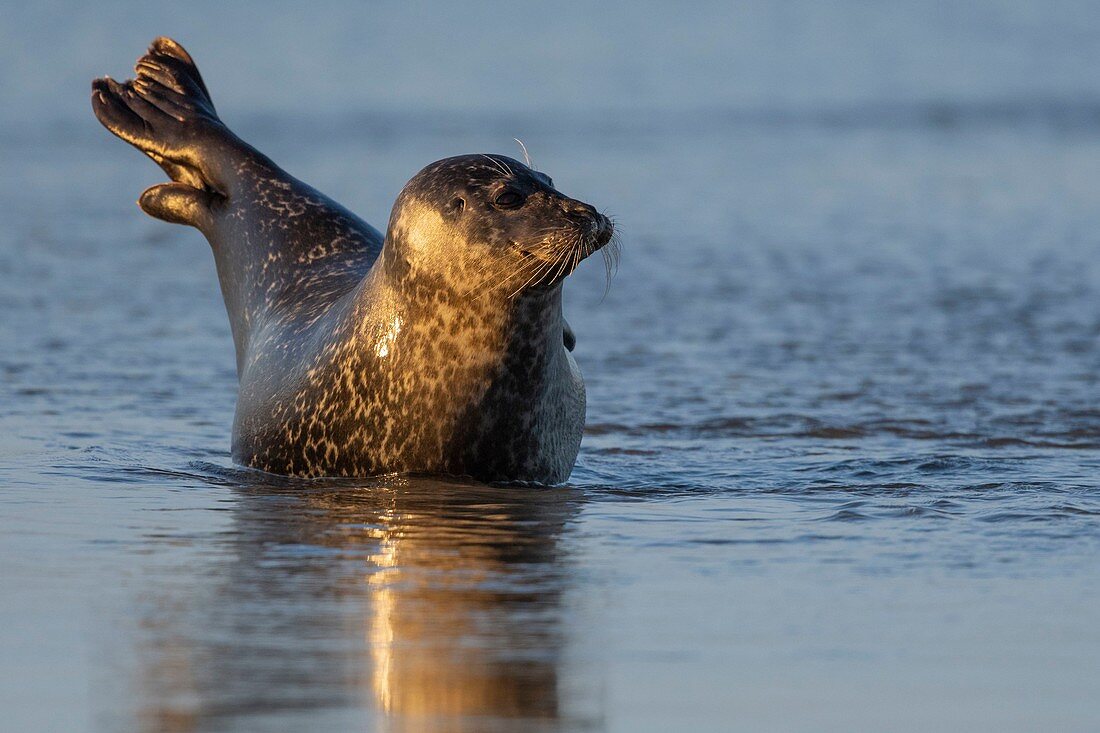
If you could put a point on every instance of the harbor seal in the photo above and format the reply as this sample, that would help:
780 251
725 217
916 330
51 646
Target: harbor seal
439 348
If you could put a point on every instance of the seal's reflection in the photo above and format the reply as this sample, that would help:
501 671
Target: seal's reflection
420 603
464 606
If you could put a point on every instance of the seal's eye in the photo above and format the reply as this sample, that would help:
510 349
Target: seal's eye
509 200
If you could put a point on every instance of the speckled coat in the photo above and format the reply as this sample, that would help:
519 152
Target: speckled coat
437 349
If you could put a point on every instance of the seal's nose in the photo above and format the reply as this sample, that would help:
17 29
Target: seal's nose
605 231
599 227
580 211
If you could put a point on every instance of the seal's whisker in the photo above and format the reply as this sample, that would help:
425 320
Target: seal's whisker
607 269
560 270
528 273
526 157
614 251
611 252
507 169
535 277
488 272
547 255
500 166
537 274
488 275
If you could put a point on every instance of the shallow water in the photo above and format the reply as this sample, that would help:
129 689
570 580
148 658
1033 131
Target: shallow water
840 470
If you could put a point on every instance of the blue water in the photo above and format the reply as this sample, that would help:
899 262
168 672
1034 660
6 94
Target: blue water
843 446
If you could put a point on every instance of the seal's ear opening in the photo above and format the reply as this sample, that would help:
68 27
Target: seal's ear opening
456 206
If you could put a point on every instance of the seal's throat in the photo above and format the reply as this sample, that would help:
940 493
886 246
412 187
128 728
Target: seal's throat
471 346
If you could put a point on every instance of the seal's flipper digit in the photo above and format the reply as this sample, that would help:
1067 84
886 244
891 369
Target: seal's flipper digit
133 118
166 112
169 102
114 114
178 203
165 46
114 107
179 79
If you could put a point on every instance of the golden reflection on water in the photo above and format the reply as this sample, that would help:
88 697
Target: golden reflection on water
454 628
414 603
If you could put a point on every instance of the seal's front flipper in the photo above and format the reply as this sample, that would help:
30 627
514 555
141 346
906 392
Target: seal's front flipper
166 112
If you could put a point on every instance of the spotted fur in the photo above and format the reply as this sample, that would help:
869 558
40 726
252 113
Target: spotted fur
437 349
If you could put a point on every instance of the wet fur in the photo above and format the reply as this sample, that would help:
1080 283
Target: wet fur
440 348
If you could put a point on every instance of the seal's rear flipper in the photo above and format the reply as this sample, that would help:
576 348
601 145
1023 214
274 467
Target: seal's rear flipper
178 203
164 49
166 112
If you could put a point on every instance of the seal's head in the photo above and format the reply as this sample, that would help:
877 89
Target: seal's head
492 223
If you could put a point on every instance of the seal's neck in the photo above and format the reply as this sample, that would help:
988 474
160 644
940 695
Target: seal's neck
441 319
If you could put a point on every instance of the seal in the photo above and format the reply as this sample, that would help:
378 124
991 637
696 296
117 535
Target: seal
439 348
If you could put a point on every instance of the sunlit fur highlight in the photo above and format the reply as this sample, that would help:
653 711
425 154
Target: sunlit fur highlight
439 348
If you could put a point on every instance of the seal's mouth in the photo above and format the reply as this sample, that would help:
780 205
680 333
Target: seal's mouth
601 232
605 230
596 231
554 258
587 236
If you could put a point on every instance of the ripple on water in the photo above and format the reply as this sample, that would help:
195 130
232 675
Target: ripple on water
848 414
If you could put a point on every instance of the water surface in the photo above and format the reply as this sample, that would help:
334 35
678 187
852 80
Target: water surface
840 469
